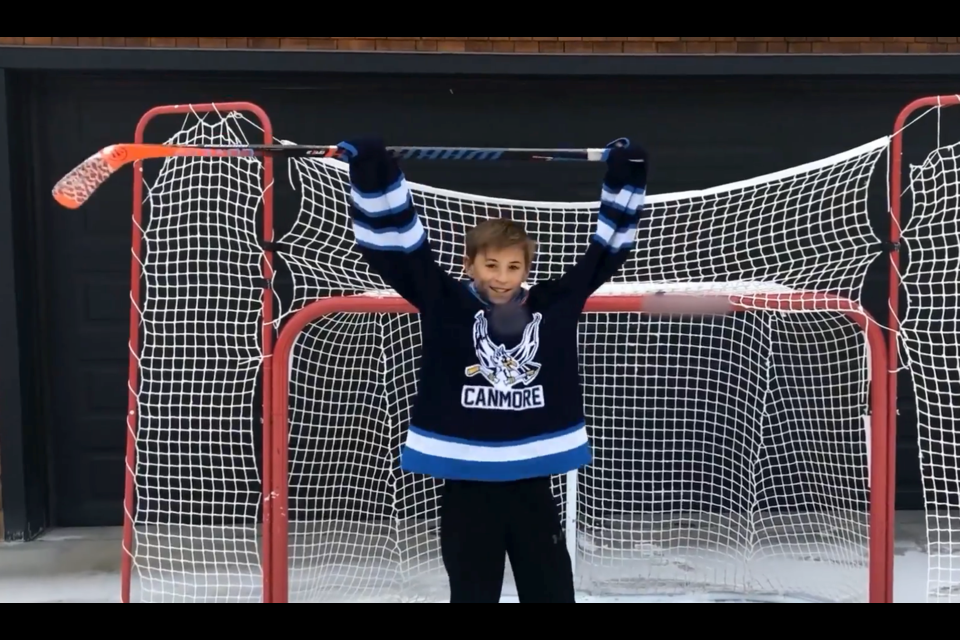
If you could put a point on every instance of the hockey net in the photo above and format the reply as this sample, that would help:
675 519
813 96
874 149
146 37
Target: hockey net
925 208
731 428
740 428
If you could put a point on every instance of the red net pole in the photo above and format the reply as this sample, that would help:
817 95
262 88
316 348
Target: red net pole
126 564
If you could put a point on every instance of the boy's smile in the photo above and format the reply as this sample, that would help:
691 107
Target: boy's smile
498 272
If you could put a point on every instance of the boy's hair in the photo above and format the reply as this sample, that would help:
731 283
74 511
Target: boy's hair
500 233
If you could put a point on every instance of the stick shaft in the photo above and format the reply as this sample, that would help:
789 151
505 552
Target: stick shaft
419 153
76 187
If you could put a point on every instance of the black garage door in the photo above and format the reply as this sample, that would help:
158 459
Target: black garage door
701 132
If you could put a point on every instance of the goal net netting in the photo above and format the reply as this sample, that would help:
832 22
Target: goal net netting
926 200
738 455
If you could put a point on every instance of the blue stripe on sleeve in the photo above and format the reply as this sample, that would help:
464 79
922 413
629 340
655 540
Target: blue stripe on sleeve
617 217
406 238
392 200
627 200
386 220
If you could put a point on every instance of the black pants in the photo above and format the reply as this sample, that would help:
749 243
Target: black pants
483 523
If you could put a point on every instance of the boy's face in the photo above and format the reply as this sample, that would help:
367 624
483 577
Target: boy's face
498 273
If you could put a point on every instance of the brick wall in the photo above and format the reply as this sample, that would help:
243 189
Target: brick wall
531 45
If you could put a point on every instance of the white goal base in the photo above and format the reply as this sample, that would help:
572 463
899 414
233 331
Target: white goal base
643 567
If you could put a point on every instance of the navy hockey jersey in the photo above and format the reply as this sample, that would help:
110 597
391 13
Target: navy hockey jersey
488 410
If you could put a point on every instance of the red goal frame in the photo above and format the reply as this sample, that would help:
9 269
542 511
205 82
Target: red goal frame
275 378
882 487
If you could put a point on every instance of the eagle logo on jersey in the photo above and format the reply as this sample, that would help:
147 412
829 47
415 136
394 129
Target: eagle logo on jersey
504 368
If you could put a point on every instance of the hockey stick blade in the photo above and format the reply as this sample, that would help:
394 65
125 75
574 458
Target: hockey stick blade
79 185
75 188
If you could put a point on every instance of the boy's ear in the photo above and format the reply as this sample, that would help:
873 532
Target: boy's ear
467 265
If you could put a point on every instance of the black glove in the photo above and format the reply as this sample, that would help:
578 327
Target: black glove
372 168
626 165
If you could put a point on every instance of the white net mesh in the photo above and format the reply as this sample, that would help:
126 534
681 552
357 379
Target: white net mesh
732 452
930 340
806 228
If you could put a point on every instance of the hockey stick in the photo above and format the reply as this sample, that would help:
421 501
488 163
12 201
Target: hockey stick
79 185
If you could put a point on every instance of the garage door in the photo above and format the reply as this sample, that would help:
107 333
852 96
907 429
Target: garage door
700 133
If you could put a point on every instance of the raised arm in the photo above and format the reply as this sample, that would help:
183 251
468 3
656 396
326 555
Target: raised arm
387 228
618 216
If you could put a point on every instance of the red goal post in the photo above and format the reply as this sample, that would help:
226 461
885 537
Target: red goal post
882 433
136 298
921 327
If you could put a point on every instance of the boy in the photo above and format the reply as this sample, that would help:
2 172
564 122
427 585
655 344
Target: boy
496 413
